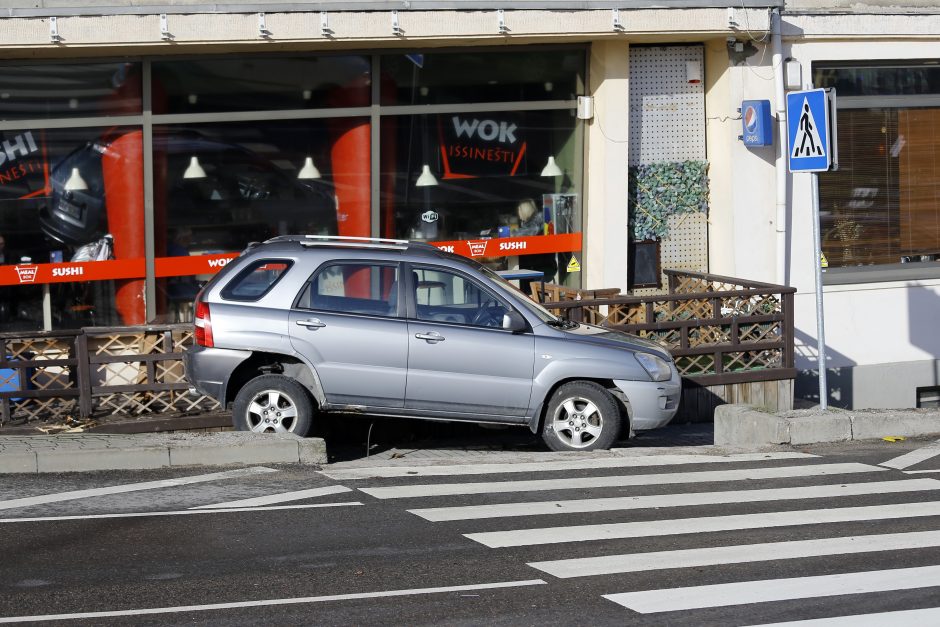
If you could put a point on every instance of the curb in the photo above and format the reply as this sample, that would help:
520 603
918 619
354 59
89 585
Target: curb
85 452
744 425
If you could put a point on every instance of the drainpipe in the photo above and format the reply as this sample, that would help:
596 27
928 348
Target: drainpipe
780 222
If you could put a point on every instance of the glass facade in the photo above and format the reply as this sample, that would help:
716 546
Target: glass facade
880 207
460 149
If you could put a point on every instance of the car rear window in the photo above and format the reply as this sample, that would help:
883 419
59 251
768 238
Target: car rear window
256 280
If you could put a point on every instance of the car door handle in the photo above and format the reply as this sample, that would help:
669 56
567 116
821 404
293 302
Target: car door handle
311 323
433 336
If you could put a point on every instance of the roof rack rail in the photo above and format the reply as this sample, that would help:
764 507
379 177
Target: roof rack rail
343 241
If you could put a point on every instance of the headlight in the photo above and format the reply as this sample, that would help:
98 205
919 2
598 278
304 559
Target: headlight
657 367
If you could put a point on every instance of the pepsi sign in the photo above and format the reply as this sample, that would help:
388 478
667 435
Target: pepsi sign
757 123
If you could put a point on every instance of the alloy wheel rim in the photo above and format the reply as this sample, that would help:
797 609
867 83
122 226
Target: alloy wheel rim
578 422
272 411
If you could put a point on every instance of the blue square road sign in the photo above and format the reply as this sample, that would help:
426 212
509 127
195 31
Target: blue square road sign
809 131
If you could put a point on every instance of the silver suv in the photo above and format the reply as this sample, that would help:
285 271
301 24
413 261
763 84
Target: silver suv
301 326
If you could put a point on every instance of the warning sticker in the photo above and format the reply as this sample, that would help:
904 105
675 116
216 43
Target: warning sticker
573 265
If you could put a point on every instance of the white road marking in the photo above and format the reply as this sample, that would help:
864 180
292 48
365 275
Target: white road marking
920 472
745 592
343 474
184 512
901 618
491 487
914 457
737 554
543 508
130 487
270 602
285 496
705 524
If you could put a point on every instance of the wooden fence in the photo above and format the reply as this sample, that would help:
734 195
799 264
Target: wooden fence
732 339
95 370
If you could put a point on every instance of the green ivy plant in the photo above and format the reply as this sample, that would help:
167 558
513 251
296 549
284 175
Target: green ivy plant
660 190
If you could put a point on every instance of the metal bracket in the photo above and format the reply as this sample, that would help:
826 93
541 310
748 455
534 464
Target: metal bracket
396 26
325 30
617 24
54 31
501 16
165 28
263 31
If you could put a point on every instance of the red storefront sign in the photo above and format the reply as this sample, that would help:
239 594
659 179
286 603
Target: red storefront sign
39 273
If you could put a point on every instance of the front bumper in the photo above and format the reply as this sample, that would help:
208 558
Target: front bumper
652 403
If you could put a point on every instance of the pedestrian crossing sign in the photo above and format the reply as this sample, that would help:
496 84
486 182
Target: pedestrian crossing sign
810 130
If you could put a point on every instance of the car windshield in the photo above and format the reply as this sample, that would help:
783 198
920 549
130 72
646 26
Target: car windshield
543 314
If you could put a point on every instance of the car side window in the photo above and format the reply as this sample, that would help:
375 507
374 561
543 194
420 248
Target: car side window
356 288
444 296
255 280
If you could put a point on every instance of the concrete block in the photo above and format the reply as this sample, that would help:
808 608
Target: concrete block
910 423
312 451
77 460
742 425
267 451
829 427
20 461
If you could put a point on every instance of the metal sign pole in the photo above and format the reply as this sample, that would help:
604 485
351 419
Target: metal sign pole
820 320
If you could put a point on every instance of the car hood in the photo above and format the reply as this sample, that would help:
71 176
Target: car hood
617 339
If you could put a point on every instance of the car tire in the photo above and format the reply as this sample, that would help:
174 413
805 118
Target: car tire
273 403
581 416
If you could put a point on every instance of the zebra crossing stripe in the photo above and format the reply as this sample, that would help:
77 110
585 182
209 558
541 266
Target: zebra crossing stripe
283 497
901 618
348 474
914 457
492 487
736 554
548 508
650 528
745 592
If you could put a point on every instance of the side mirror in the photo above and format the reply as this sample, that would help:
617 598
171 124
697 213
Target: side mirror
513 321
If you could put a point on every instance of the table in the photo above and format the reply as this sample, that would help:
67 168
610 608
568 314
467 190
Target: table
521 274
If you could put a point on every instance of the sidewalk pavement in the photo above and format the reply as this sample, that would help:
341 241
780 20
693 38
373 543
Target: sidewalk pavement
71 452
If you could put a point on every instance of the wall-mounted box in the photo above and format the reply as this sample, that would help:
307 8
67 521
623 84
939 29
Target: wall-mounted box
757 123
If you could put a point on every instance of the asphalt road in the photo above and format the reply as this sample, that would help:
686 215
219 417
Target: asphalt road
808 534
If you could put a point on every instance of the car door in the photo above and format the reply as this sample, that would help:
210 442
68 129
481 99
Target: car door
460 359
346 322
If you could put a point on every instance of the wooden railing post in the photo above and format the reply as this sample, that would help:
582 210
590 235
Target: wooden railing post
83 368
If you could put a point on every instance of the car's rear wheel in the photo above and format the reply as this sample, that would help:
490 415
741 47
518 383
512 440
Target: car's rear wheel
273 403
581 416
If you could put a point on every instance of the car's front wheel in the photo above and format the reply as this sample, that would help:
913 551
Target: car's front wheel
273 403
581 416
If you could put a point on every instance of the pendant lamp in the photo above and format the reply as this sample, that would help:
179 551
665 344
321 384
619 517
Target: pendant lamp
194 170
426 179
309 171
76 182
551 168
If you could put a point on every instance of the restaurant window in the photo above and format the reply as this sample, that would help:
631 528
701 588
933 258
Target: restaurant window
881 206
219 186
69 196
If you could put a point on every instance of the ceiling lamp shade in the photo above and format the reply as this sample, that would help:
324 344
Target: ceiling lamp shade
76 182
309 171
551 168
194 170
426 179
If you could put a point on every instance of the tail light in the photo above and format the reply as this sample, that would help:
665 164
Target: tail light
203 325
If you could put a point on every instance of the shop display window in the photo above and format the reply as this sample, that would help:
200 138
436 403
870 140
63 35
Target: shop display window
39 91
500 184
519 75
218 187
69 196
880 208
210 85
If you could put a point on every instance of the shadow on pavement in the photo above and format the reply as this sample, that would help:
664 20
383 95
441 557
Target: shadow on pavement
353 438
